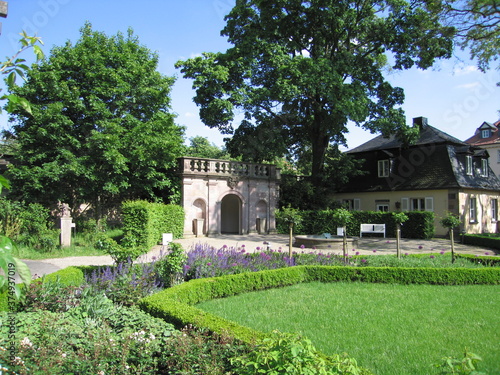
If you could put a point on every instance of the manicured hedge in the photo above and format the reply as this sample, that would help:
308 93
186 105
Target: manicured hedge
145 222
66 276
491 261
420 224
484 240
175 305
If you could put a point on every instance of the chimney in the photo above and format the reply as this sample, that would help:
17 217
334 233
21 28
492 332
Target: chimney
420 121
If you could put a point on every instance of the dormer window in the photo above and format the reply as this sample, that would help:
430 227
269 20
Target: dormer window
484 167
468 165
383 168
485 133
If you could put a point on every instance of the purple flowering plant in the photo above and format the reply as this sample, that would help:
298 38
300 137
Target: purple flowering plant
126 282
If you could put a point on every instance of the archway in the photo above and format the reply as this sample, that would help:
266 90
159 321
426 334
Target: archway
231 214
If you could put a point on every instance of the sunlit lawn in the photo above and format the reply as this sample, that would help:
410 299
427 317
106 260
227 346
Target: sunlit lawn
390 329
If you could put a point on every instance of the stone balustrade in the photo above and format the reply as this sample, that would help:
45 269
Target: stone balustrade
226 168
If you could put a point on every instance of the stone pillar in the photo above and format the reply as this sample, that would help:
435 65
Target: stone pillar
66 225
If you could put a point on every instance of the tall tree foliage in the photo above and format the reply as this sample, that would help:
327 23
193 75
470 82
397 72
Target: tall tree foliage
101 130
299 71
201 147
477 24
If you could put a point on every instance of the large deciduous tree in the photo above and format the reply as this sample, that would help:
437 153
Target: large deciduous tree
101 129
299 71
477 24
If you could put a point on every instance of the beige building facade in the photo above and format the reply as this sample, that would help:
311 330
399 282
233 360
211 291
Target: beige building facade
478 210
438 173
228 197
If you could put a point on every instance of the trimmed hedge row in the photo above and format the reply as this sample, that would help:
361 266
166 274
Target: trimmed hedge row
483 240
175 305
145 222
491 261
67 276
420 224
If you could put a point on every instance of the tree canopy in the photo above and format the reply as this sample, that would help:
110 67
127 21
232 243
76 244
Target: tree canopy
477 24
100 130
201 147
299 71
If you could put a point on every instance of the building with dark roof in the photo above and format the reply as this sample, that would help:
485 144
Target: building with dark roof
438 173
487 136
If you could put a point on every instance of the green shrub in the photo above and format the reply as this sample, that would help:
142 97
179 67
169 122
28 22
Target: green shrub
120 254
483 240
419 224
28 224
170 266
69 276
197 351
283 353
10 218
175 305
491 261
145 222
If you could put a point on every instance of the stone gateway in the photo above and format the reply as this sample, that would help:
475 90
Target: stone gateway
228 197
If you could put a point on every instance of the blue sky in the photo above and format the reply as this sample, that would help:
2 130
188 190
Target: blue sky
454 95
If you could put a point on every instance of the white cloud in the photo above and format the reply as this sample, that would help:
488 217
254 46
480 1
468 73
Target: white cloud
461 70
469 86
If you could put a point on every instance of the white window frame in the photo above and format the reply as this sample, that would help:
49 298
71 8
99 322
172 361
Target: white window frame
423 204
384 167
384 207
485 133
494 209
468 165
473 210
429 204
484 167
356 204
352 204
405 204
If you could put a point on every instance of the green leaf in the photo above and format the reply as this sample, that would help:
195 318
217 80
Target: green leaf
6 245
23 271
11 79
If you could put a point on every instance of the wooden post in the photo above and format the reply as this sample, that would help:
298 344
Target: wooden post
344 244
398 237
290 241
452 246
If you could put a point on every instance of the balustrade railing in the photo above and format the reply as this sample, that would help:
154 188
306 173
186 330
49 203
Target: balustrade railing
228 168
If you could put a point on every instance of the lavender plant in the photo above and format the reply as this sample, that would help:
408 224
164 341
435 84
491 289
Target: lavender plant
204 260
125 283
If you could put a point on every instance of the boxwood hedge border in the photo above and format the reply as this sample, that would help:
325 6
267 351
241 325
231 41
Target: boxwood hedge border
176 305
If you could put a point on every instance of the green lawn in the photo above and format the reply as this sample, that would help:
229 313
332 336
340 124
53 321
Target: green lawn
390 329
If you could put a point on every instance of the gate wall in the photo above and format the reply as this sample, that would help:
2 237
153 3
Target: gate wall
208 181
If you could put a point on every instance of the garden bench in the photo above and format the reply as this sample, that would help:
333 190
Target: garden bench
372 228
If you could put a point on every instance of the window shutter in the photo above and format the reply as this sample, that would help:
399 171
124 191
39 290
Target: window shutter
357 204
429 204
405 204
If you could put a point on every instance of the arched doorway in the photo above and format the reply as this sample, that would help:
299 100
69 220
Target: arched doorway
231 214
